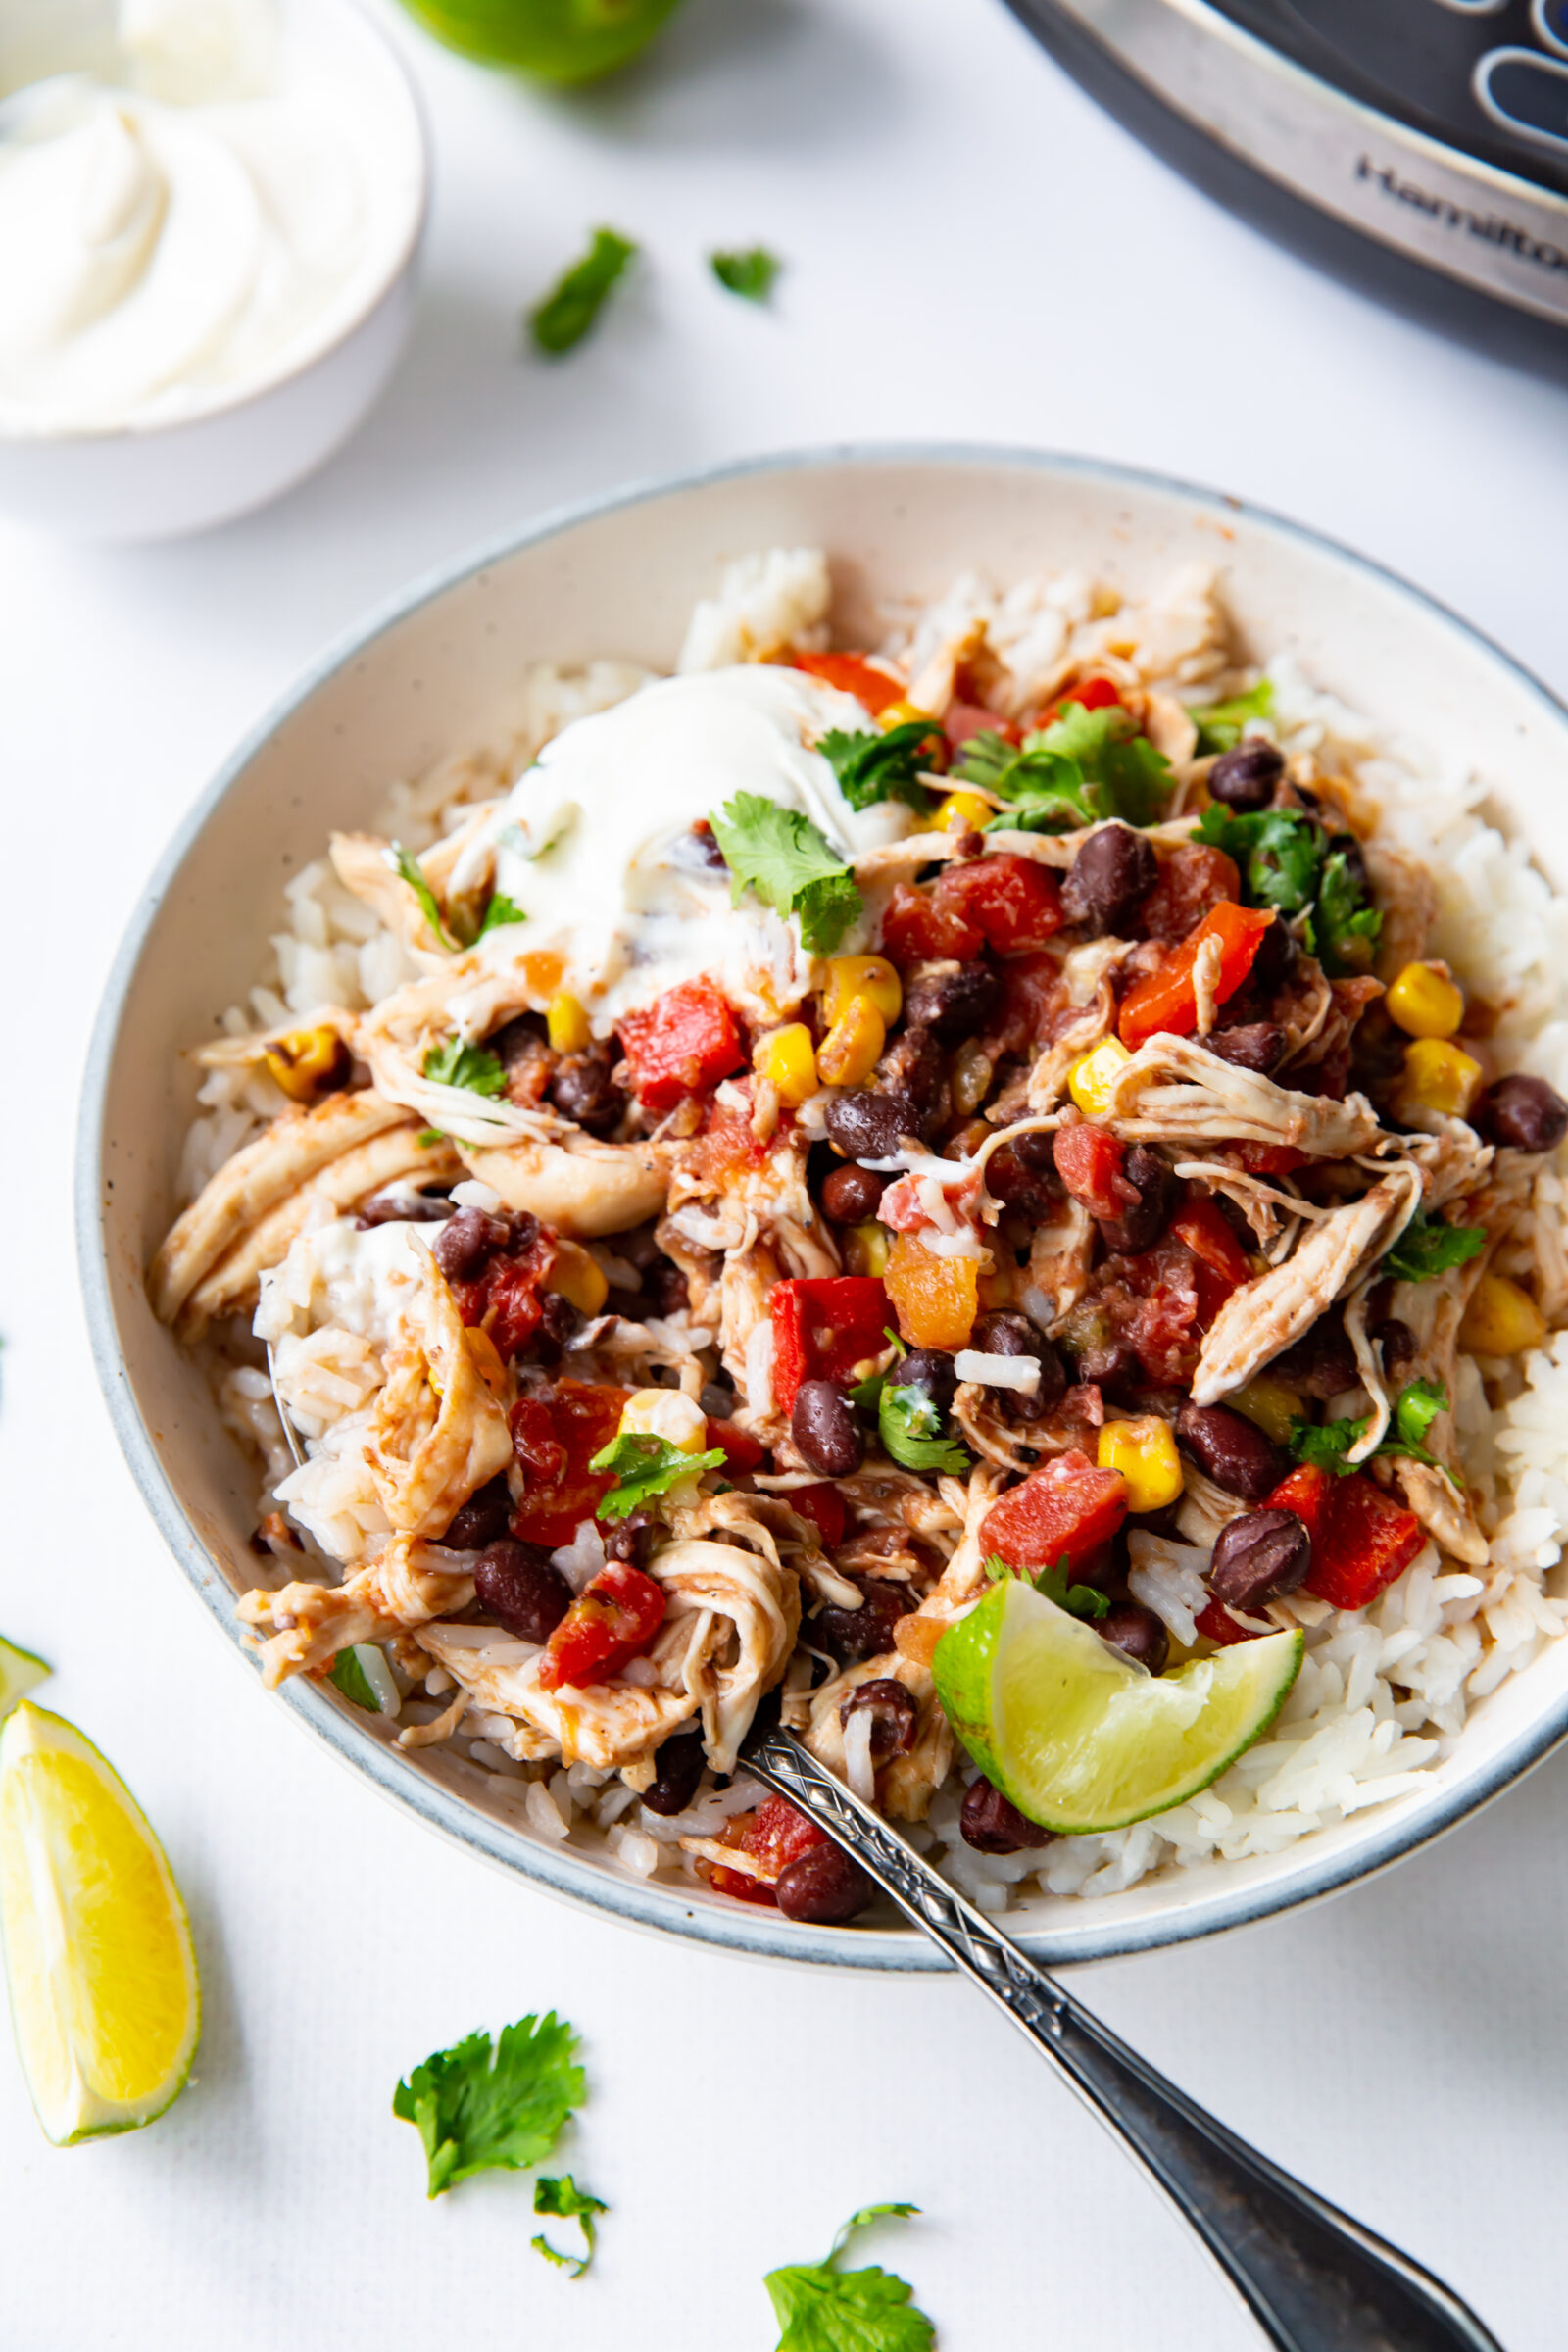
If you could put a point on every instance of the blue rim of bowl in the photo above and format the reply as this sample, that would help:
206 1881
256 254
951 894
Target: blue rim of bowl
558 1871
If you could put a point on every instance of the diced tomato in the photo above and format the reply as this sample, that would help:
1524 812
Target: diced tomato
915 929
682 1043
606 1627
741 1451
502 1297
776 1834
962 719
1202 1227
1167 1326
852 673
1305 1491
824 1506
1365 1542
1065 1510
1269 1160
1089 1161
554 1444
727 1145
1013 902
1218 1625
823 1328
1192 880
1166 1000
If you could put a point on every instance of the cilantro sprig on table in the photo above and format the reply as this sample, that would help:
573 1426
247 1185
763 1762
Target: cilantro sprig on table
1086 767
564 2198
1220 725
749 273
781 857
474 1068
1325 1445
821 2308
1428 1247
570 309
645 1466
479 2107
1079 1600
872 766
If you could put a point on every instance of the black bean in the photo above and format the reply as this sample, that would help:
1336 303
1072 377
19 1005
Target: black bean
632 1539
894 1716
1011 1180
482 1518
929 1369
403 1208
914 1068
953 1004
585 1090
1111 872
465 1240
1001 1333
869 1126
666 1286
705 846
1398 1344
992 1825
557 1320
850 1195
1322 1361
516 1583
1231 1451
1138 1632
519 1040
677 1769
1524 1113
1276 956
827 1436
1254 1045
824 1887
1140 1224
1036 1150
1245 778
1260 1556
851 1634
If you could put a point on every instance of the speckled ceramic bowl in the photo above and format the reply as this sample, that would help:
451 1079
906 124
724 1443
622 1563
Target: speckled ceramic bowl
435 672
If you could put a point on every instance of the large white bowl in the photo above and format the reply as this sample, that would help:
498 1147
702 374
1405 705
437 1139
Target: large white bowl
437 670
244 446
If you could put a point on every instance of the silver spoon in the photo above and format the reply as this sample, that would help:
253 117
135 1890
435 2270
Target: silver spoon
1314 2280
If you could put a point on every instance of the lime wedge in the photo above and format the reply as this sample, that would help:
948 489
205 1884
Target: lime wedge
560 41
98 1955
20 1673
1081 1739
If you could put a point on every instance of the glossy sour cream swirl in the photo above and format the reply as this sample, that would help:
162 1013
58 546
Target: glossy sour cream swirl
596 845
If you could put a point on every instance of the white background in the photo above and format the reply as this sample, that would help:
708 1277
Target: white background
973 251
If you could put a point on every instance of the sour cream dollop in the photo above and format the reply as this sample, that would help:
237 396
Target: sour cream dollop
596 845
190 220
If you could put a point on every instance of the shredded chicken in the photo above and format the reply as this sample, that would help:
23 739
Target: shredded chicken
438 1427
906 1782
1174 1091
1060 1256
307 1624
365 864
583 1188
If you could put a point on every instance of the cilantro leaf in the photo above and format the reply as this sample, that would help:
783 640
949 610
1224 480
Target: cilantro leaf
780 855
476 2110
1085 767
1420 1404
566 2199
1220 724
474 1068
1044 791
1079 1600
501 911
873 766
1429 1247
574 303
1325 1445
910 1424
821 2308
1348 925
644 1466
1278 852
404 863
750 274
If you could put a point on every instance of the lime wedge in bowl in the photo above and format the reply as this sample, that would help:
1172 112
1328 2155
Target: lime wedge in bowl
1080 1737
98 1954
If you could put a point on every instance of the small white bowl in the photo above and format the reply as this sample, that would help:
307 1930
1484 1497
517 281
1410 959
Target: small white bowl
243 446
439 670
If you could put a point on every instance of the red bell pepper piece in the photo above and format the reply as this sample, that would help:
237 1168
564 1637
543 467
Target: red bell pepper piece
1095 694
681 1043
1065 1510
1202 1227
1305 1491
918 929
1365 1542
853 674
1014 903
1269 1160
1089 1161
1166 1000
1217 1624
554 1444
741 1451
824 1506
823 1328
777 1834
606 1627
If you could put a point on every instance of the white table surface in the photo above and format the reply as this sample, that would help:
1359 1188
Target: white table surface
973 251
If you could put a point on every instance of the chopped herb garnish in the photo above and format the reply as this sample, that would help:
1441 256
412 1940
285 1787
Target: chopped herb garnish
1429 1247
872 766
821 2308
403 861
478 2111
780 855
1278 853
910 1424
1325 1445
1220 725
428 1137
574 303
750 274
1086 767
568 2202
644 1466
1347 924
474 1068
501 911
1079 1600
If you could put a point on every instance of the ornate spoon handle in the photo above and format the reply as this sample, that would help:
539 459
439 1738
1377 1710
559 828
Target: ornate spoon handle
1314 2280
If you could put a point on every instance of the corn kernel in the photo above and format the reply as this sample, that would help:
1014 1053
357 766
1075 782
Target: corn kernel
577 1276
665 1413
865 1250
1501 1319
567 1023
1437 1076
853 1047
969 1075
1091 1080
301 1060
1145 1452
851 976
1425 1002
1270 1405
999 1288
962 812
903 713
787 1060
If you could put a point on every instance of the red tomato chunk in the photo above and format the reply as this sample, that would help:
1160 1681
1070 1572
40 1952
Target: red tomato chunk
1361 1538
917 929
1014 903
775 1835
1192 880
682 1043
1064 1510
554 1445
606 1627
823 1328
824 1506
1089 1161
1167 1000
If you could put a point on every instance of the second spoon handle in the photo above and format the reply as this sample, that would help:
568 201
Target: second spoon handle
1314 2280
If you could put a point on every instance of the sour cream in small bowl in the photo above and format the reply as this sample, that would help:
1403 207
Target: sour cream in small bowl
210 215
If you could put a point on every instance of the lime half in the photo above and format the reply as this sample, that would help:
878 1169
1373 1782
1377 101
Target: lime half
98 1953
560 41
1081 1739
20 1672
